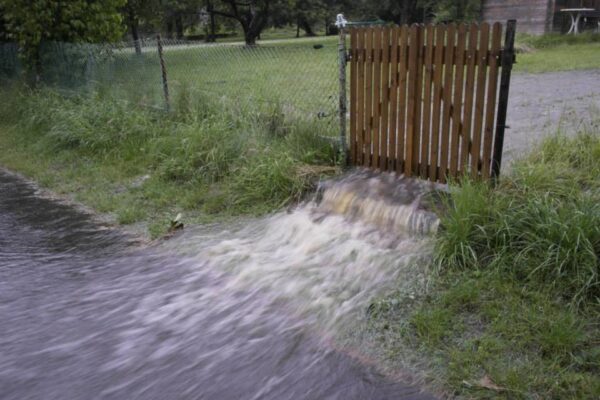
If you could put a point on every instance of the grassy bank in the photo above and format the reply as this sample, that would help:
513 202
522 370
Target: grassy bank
513 311
207 159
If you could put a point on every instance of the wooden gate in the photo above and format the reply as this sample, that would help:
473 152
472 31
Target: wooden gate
423 99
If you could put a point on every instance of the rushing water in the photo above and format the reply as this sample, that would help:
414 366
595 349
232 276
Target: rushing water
225 312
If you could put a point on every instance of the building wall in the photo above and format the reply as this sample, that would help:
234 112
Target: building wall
533 16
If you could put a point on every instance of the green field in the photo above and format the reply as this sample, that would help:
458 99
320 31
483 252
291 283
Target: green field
290 73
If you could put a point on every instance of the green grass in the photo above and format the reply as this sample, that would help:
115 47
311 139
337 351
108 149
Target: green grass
515 301
551 40
289 72
560 58
209 159
557 52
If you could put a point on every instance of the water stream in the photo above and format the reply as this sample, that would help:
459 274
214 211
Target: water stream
246 311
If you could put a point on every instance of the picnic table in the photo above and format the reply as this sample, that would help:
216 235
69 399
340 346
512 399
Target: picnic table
576 14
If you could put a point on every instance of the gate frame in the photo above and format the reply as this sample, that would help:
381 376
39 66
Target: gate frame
507 59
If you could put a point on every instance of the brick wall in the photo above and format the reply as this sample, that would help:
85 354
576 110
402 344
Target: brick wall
533 16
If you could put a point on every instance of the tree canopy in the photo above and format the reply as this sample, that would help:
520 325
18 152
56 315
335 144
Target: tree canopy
29 22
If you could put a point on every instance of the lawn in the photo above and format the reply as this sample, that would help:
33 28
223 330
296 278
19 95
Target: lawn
289 73
299 75
564 57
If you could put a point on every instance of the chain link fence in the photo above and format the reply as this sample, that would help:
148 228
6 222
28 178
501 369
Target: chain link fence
299 78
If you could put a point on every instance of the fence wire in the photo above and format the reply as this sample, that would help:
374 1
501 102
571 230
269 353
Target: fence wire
300 79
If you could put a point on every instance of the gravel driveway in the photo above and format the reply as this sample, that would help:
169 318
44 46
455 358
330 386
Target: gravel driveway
539 104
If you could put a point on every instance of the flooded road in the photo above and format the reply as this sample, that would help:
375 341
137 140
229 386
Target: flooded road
237 312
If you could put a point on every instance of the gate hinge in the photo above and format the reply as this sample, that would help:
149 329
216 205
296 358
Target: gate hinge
348 56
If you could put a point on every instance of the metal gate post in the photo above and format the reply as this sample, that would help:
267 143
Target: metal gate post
508 59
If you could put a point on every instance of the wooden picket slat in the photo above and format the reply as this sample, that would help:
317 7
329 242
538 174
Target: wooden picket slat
482 55
428 77
401 133
458 98
424 99
376 95
418 101
447 111
393 98
490 113
360 96
385 93
413 66
469 96
353 106
438 93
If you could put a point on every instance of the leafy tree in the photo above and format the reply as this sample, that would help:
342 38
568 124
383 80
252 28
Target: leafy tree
397 11
306 14
3 29
455 10
211 35
141 12
252 15
180 14
29 22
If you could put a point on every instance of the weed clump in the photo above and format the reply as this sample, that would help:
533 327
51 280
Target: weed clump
540 225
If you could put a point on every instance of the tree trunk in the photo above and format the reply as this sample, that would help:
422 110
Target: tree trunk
136 40
250 37
252 20
134 24
179 26
306 27
169 28
253 26
298 28
213 27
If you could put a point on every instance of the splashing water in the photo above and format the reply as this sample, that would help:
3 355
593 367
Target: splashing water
227 312
327 258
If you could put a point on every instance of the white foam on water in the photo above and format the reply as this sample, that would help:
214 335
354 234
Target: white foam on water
323 261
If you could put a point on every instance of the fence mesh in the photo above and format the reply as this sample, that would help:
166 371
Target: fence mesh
300 78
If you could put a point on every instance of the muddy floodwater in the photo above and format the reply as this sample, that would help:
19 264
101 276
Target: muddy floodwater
248 311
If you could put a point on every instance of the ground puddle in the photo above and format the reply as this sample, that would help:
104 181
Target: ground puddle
247 311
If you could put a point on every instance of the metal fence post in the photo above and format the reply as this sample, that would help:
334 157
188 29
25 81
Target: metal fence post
508 59
163 69
342 59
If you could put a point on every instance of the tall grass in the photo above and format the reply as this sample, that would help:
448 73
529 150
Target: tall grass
235 156
540 225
